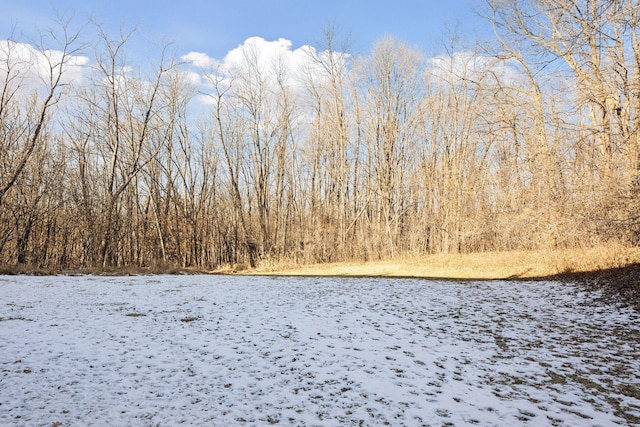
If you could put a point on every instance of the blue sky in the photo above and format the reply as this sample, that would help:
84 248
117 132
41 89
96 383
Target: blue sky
215 27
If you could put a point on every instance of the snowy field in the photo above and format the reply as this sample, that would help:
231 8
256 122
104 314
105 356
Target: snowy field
215 350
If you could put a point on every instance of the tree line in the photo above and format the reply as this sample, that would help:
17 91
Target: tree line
528 141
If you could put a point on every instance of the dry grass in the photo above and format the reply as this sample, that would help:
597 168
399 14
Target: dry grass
487 265
27 269
490 265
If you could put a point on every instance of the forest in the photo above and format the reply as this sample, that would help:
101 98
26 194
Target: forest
528 141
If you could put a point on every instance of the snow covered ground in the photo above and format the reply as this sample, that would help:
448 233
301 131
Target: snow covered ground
215 350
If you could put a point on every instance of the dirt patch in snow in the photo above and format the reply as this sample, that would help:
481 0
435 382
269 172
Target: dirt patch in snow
615 285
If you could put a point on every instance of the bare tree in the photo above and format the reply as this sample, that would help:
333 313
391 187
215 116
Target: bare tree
596 43
391 87
328 83
127 108
31 83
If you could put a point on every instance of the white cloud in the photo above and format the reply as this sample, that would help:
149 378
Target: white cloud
205 99
200 60
260 60
192 77
260 52
268 61
34 65
473 67
28 67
